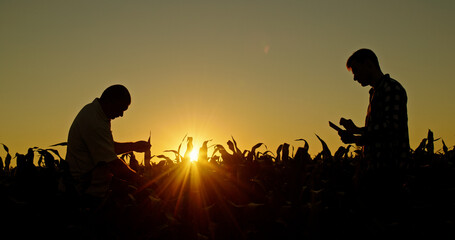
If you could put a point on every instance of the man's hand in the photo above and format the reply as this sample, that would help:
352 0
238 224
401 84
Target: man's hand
141 146
349 125
347 137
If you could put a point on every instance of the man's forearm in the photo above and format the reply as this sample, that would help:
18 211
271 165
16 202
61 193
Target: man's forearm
139 146
125 147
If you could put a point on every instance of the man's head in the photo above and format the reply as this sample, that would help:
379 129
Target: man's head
115 100
365 66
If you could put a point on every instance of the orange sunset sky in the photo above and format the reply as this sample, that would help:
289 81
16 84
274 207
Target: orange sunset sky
261 71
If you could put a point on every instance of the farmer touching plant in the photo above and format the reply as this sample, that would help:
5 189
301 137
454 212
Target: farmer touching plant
92 151
384 138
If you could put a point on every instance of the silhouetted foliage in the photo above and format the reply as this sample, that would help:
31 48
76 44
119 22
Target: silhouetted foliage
235 194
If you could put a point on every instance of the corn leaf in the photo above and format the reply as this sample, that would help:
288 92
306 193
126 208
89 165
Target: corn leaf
56 153
253 149
6 148
20 160
40 160
227 157
231 146
252 153
30 156
306 146
164 157
285 152
237 150
7 161
302 156
202 156
325 149
444 147
421 146
430 144
278 153
178 150
268 152
340 153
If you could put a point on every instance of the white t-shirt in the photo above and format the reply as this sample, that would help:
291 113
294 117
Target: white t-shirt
90 143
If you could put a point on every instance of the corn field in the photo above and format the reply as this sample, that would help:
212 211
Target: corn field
236 194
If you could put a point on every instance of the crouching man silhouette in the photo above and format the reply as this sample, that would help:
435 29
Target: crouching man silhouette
92 151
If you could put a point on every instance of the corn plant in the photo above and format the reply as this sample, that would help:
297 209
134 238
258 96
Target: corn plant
234 193
189 149
202 155
6 167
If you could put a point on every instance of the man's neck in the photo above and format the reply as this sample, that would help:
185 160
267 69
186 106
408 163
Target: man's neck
376 79
104 107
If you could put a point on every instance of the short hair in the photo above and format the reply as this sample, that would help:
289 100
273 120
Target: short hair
361 56
116 93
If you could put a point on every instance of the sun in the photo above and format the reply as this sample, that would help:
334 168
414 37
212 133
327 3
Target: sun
194 155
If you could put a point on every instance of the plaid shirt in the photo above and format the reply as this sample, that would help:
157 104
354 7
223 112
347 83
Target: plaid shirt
385 135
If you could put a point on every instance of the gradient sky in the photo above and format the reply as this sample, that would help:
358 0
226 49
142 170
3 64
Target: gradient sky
261 71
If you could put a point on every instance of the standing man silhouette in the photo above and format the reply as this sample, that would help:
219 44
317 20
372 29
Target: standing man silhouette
385 137
384 140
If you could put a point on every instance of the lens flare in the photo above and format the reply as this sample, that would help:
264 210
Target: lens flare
267 49
194 155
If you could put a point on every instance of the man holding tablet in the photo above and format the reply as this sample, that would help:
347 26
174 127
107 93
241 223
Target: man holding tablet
384 138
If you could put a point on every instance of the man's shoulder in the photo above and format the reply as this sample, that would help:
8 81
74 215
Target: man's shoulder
91 109
90 115
85 113
392 85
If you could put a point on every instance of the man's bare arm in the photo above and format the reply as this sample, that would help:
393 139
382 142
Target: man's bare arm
139 146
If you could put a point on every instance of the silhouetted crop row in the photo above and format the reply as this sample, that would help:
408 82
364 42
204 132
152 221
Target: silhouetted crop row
235 194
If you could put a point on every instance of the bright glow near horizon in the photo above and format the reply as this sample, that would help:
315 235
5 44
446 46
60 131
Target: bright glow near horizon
194 155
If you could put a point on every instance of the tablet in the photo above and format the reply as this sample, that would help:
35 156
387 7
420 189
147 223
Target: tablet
331 124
